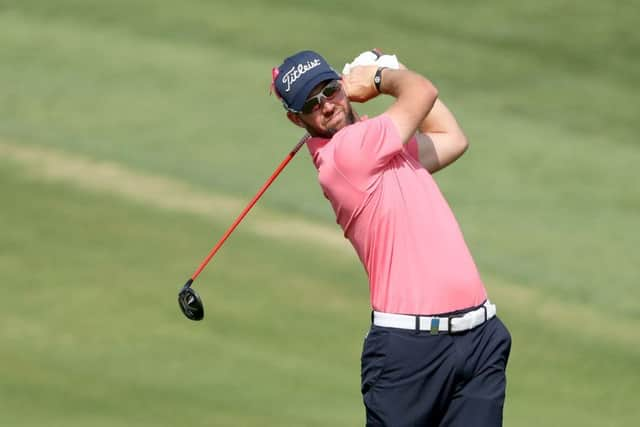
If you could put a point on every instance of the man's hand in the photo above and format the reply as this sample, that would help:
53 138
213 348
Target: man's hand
358 84
372 57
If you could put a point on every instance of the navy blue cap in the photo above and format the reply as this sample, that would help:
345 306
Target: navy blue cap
298 75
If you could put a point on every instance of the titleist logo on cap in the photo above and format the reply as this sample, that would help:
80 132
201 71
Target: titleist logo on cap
297 71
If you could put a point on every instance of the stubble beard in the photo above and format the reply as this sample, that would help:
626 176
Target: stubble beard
329 132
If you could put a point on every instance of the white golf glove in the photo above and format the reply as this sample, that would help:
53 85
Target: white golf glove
371 58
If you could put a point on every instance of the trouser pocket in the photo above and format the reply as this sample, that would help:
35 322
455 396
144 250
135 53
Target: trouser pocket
374 356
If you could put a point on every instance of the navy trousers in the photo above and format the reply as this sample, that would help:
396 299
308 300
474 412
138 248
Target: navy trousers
412 378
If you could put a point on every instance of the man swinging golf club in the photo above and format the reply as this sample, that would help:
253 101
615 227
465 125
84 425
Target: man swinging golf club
436 353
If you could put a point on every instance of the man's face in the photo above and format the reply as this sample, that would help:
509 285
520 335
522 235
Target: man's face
326 110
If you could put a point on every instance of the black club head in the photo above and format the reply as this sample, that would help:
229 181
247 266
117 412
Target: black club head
191 304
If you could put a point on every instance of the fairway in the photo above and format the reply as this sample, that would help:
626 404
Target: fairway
133 133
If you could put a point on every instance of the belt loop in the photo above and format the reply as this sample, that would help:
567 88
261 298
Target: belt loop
450 320
372 317
417 323
484 307
435 326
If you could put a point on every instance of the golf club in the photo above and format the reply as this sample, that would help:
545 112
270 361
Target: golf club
188 299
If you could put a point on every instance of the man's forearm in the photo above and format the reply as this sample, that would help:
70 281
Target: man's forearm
441 141
440 120
415 97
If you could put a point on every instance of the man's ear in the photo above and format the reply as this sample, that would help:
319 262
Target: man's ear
295 119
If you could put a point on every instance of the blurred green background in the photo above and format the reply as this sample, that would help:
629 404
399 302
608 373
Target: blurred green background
133 132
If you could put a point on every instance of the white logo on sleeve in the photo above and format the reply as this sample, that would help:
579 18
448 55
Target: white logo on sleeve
296 72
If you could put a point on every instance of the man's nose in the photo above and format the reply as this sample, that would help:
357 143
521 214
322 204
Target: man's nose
327 106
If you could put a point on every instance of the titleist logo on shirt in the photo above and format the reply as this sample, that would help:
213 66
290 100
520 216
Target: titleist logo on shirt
296 72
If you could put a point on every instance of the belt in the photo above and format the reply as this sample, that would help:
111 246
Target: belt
450 324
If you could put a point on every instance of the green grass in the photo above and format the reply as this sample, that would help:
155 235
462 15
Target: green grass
547 197
92 334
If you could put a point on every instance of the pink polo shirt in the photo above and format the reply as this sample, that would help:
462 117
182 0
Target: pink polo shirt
396 218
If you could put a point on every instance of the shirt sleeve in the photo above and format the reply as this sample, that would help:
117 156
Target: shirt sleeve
364 149
412 148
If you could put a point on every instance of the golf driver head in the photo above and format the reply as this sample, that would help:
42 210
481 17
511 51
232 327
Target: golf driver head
190 303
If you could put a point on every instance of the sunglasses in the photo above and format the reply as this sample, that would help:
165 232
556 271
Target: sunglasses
328 92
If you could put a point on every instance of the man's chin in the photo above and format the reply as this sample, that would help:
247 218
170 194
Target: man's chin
340 121
335 125
329 131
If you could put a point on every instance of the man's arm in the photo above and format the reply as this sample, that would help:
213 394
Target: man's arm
415 99
415 95
440 139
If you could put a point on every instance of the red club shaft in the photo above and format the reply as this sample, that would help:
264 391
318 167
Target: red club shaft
246 210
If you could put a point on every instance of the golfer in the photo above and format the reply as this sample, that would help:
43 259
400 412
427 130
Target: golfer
436 353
